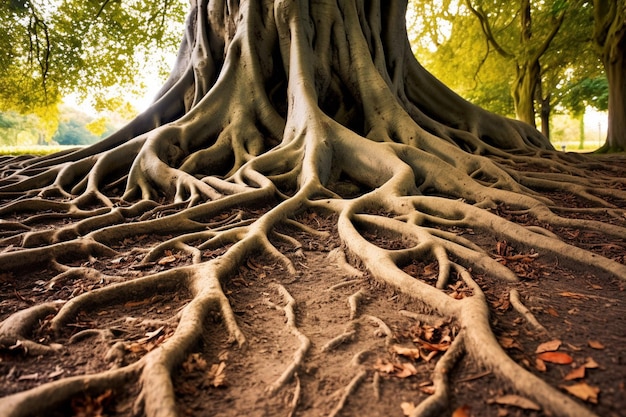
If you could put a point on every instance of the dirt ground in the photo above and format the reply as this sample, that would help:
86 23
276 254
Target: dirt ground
382 364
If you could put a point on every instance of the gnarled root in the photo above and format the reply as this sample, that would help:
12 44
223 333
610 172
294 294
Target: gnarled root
278 113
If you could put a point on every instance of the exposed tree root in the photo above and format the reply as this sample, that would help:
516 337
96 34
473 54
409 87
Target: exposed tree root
348 391
437 403
275 113
353 302
347 336
304 342
296 396
521 308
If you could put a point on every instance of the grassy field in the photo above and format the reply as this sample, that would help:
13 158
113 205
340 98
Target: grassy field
590 146
36 150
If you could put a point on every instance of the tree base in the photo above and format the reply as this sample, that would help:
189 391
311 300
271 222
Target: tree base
257 145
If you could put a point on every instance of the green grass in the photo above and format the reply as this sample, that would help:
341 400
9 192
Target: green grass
35 150
589 146
39 150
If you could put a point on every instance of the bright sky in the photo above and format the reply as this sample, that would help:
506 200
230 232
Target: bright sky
148 82
151 80
598 122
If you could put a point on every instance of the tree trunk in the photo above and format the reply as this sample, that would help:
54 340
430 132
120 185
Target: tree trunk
581 130
524 91
546 109
615 67
610 37
528 71
275 114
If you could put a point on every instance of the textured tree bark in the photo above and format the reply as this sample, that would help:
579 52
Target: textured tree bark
615 67
292 106
524 93
610 37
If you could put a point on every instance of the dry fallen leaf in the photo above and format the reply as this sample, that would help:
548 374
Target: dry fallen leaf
583 391
217 375
439 347
574 347
167 260
516 401
195 361
550 346
551 311
384 366
407 408
223 355
131 304
405 370
83 406
58 372
152 335
556 357
428 357
29 377
136 347
427 389
509 343
462 411
575 295
407 352
591 364
595 344
540 365
576 373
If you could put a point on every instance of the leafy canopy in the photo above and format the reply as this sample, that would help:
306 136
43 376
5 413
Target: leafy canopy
450 42
51 48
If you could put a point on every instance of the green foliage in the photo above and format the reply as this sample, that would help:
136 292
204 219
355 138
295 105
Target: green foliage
483 71
97 127
48 121
586 92
460 57
73 132
67 127
50 48
76 128
451 45
35 150
5 121
16 129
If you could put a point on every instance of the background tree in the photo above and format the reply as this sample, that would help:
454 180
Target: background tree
610 37
570 60
76 128
526 43
483 75
449 36
67 126
275 114
14 127
53 48
584 93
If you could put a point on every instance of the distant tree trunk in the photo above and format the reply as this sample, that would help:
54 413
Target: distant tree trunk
524 90
546 109
610 37
581 130
615 67
528 72
528 76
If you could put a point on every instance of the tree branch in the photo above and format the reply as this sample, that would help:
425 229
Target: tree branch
486 27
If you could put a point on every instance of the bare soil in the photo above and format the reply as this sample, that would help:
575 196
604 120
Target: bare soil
585 312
